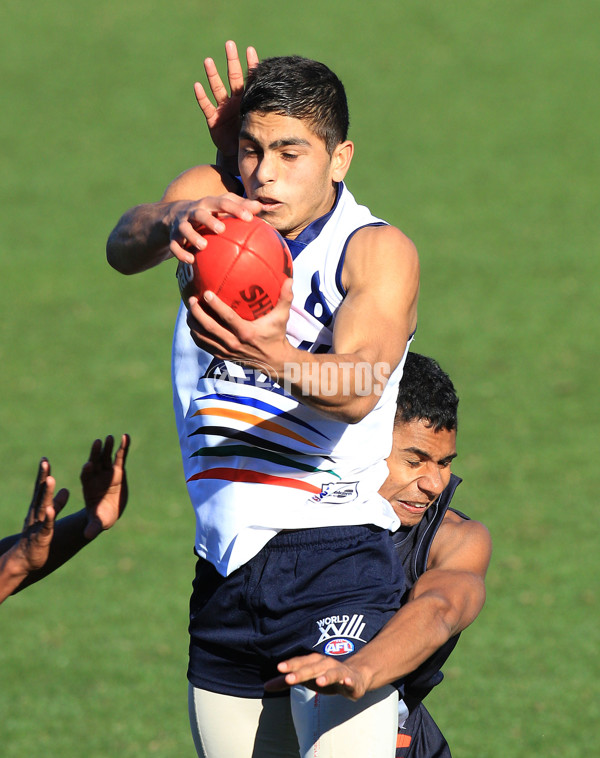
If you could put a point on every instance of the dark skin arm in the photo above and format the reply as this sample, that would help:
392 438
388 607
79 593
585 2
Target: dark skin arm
46 543
444 601
28 551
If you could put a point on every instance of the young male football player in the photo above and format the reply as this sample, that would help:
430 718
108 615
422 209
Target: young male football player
291 533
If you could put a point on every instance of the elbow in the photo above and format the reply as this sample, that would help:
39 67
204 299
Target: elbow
447 622
355 409
350 417
119 259
455 618
114 257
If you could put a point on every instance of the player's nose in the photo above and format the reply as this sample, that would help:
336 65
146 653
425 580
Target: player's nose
267 169
432 483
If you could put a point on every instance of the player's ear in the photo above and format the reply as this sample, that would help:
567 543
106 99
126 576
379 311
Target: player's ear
341 159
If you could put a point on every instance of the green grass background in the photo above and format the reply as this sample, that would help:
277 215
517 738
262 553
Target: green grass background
476 126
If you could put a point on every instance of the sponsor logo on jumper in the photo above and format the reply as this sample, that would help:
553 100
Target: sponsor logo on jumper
339 647
341 626
337 492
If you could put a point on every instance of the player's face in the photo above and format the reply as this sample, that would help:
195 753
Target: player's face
287 168
419 467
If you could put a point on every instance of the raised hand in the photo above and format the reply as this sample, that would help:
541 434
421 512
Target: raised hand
223 116
38 528
104 483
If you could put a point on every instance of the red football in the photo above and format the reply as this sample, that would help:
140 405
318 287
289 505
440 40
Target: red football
245 266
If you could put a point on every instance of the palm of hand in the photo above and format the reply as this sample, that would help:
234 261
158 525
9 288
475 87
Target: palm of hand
104 485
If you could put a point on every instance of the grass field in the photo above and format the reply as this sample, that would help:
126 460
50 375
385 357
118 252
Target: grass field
476 126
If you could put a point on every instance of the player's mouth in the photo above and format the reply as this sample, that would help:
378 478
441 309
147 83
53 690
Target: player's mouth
413 507
269 204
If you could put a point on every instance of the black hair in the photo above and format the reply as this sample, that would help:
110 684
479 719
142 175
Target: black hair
426 394
301 88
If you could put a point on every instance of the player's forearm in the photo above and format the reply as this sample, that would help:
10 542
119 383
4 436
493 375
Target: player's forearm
67 541
441 604
409 639
140 240
345 387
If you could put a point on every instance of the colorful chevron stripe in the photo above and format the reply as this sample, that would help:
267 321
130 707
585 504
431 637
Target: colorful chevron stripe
250 439
261 405
253 420
225 451
241 475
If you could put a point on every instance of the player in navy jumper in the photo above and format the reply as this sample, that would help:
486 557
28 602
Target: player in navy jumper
445 557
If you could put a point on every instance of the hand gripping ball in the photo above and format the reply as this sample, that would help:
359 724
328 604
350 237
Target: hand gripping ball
245 266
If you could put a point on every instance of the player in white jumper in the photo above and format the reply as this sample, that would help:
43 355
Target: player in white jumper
292 537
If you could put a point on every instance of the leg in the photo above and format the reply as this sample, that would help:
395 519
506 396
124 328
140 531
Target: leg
331 726
224 726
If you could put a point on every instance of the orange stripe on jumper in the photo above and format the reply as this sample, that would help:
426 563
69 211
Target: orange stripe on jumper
255 477
403 740
250 418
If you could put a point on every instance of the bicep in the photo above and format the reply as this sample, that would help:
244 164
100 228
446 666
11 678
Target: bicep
456 573
379 312
461 545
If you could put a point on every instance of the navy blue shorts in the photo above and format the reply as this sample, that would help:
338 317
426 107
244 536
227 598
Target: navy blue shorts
326 590
420 737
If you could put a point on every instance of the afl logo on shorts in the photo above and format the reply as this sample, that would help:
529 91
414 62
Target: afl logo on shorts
339 647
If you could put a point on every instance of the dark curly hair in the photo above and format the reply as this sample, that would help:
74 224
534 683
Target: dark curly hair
426 394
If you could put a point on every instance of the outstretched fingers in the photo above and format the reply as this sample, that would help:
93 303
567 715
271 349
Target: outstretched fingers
37 507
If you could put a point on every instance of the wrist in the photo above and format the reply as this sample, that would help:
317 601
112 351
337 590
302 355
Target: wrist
14 565
363 672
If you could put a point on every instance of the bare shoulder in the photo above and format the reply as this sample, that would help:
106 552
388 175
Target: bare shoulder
381 269
201 181
461 544
382 243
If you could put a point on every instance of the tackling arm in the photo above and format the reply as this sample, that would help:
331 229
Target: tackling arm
443 602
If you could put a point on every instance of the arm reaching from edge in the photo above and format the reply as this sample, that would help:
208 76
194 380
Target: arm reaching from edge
45 543
28 551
